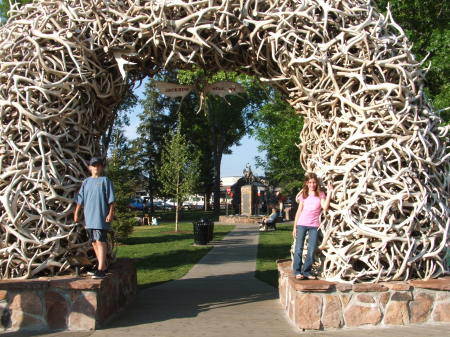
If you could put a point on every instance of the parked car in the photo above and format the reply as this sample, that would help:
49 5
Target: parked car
138 204
166 205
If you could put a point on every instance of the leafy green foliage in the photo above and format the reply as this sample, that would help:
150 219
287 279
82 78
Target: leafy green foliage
178 172
427 25
123 225
227 120
5 7
121 119
125 180
278 128
155 122
211 128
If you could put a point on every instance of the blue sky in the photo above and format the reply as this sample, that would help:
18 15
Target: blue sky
232 164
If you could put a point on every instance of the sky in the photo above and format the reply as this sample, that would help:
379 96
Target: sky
232 164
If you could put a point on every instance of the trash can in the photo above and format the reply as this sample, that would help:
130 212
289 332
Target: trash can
201 231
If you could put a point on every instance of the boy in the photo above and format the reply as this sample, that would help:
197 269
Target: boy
96 196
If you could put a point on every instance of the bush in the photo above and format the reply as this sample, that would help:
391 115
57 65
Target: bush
123 226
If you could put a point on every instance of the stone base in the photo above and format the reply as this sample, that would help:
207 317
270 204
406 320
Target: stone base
322 305
66 302
239 219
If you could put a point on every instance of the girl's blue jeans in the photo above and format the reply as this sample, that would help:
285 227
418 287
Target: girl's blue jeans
305 267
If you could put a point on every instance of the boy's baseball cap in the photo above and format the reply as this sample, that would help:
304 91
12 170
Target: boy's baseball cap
95 161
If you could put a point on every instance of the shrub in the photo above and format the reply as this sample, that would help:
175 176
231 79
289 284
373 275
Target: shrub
123 226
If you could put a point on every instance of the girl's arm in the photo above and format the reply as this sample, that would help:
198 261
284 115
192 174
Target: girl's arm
299 211
325 203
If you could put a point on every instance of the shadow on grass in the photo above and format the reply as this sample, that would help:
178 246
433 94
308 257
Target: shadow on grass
170 259
268 276
272 247
273 252
140 240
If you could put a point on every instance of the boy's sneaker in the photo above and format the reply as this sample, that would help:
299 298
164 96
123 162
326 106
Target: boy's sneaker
94 271
91 273
99 274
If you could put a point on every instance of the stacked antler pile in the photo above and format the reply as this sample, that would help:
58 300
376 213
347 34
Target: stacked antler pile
348 69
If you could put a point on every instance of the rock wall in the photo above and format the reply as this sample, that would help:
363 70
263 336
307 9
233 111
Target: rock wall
322 305
66 302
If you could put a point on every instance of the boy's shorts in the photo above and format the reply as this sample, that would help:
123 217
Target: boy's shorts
97 234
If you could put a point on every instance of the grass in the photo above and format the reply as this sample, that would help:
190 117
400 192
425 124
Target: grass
161 254
273 246
185 215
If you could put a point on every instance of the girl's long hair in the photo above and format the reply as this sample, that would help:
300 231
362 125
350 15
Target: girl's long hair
305 190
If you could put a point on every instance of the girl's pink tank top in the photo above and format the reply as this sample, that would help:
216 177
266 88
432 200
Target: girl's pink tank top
310 215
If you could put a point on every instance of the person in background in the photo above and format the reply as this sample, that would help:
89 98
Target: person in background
311 202
96 197
269 221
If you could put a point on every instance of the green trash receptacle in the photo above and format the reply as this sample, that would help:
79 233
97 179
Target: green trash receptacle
201 231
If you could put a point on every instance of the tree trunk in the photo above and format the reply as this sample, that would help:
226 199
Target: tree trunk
177 209
177 201
107 136
152 205
217 162
207 196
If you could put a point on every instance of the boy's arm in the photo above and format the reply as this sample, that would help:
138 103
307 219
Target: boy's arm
110 215
76 214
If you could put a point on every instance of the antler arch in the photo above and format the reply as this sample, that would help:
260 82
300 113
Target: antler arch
341 64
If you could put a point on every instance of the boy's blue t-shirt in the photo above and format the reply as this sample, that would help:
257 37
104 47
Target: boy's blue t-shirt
95 195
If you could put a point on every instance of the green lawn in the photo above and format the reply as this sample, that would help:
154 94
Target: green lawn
185 215
161 254
273 246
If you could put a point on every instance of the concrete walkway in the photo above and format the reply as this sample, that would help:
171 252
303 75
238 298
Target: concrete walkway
218 297
221 297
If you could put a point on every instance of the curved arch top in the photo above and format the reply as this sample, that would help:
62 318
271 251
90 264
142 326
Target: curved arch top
348 69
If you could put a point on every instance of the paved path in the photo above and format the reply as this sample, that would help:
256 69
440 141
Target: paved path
220 297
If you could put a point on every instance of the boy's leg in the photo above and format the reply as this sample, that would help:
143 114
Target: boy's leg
101 255
94 245
99 238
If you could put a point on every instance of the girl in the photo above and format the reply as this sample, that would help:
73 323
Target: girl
307 220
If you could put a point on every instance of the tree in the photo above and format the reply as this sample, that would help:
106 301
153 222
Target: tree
179 170
156 120
227 120
211 129
278 128
125 180
120 116
427 25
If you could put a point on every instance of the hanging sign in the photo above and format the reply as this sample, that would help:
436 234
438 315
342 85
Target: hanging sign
172 89
223 88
